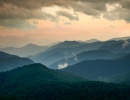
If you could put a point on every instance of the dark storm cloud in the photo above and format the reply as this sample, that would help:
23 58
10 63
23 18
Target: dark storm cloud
31 9
78 5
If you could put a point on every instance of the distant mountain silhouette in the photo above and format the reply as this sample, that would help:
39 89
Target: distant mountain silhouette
120 47
56 52
100 69
68 44
54 43
37 82
66 50
121 38
50 57
5 55
87 55
8 62
27 50
91 41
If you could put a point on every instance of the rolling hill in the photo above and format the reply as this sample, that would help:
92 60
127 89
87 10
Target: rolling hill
8 62
121 79
36 82
100 69
27 50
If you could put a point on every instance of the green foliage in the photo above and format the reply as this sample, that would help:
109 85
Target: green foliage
122 79
96 69
72 91
9 62
36 82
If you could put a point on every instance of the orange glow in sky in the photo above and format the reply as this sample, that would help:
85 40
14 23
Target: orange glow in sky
79 26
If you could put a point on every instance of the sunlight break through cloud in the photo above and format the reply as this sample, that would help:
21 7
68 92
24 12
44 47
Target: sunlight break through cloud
58 14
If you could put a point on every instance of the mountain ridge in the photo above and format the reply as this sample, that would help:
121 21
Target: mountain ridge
8 62
99 69
27 50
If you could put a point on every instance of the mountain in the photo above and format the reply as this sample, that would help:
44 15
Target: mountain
122 46
92 46
27 50
87 55
100 69
91 41
66 50
37 71
54 43
68 44
56 52
5 55
51 56
36 82
121 79
121 38
8 62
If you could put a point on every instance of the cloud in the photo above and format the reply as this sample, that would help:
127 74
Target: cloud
67 23
13 12
75 57
32 9
61 66
125 44
16 23
35 22
53 18
125 4
117 12
112 26
88 8
68 15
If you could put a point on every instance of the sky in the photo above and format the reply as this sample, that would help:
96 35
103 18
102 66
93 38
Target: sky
43 22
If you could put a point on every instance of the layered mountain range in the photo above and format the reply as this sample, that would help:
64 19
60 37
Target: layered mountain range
27 50
69 70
